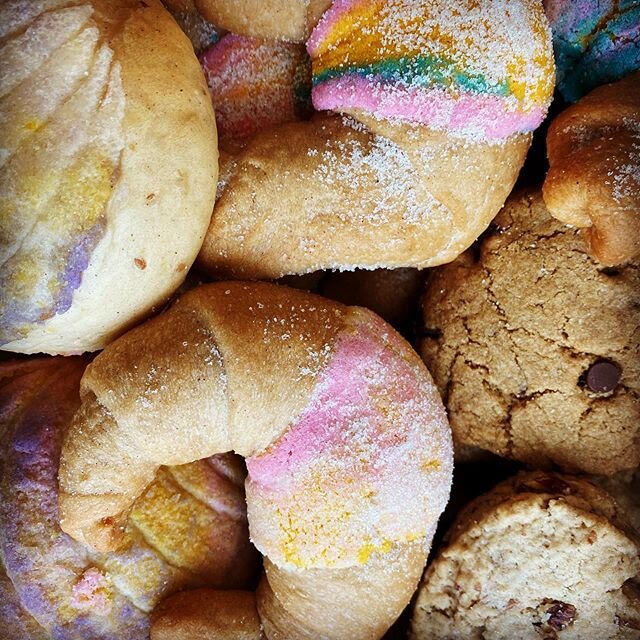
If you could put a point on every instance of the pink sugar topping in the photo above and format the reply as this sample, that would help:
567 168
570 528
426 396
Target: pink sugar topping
92 592
475 115
367 465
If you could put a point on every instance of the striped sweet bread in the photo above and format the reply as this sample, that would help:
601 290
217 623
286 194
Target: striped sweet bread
427 109
189 529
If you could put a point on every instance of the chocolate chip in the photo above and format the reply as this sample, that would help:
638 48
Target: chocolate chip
545 483
603 376
561 615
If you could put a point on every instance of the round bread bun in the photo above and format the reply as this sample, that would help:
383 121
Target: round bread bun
108 168
188 530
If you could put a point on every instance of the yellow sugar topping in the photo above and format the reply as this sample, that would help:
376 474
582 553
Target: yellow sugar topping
368 549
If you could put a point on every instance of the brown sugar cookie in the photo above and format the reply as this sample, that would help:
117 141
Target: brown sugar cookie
535 346
540 556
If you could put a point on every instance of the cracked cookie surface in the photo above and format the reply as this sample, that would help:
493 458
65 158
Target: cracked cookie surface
534 345
542 555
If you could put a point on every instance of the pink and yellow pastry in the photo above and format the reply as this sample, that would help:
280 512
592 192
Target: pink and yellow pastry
347 445
256 84
189 528
595 42
594 175
431 106
481 69
108 169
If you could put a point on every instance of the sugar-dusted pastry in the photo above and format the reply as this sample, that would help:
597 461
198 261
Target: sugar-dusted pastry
256 84
534 345
290 20
108 168
595 42
540 556
437 102
594 177
189 528
347 445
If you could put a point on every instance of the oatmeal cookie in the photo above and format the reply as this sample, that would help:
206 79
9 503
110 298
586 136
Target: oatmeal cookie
542 555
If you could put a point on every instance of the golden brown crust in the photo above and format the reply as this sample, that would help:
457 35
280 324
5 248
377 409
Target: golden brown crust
356 602
512 333
354 196
594 177
134 390
204 613
540 555
231 366
290 20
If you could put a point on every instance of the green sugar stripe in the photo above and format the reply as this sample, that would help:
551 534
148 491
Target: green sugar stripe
421 70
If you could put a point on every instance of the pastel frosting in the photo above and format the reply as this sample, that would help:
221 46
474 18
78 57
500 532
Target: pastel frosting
481 69
71 592
256 84
60 149
595 42
366 466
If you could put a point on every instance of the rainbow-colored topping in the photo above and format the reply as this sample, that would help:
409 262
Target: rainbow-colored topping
483 69
366 467
595 42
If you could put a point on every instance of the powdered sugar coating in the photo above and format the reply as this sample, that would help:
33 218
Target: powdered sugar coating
255 84
480 69
595 42
366 466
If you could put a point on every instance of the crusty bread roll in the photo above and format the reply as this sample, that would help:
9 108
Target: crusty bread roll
369 200
347 445
594 177
189 529
108 166
434 128
290 20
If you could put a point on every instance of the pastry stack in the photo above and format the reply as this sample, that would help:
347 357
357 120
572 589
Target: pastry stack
271 271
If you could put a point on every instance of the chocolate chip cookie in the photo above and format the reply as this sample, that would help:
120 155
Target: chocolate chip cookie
535 346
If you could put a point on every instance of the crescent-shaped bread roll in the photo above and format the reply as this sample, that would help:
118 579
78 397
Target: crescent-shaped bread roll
594 177
347 445
108 167
433 129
